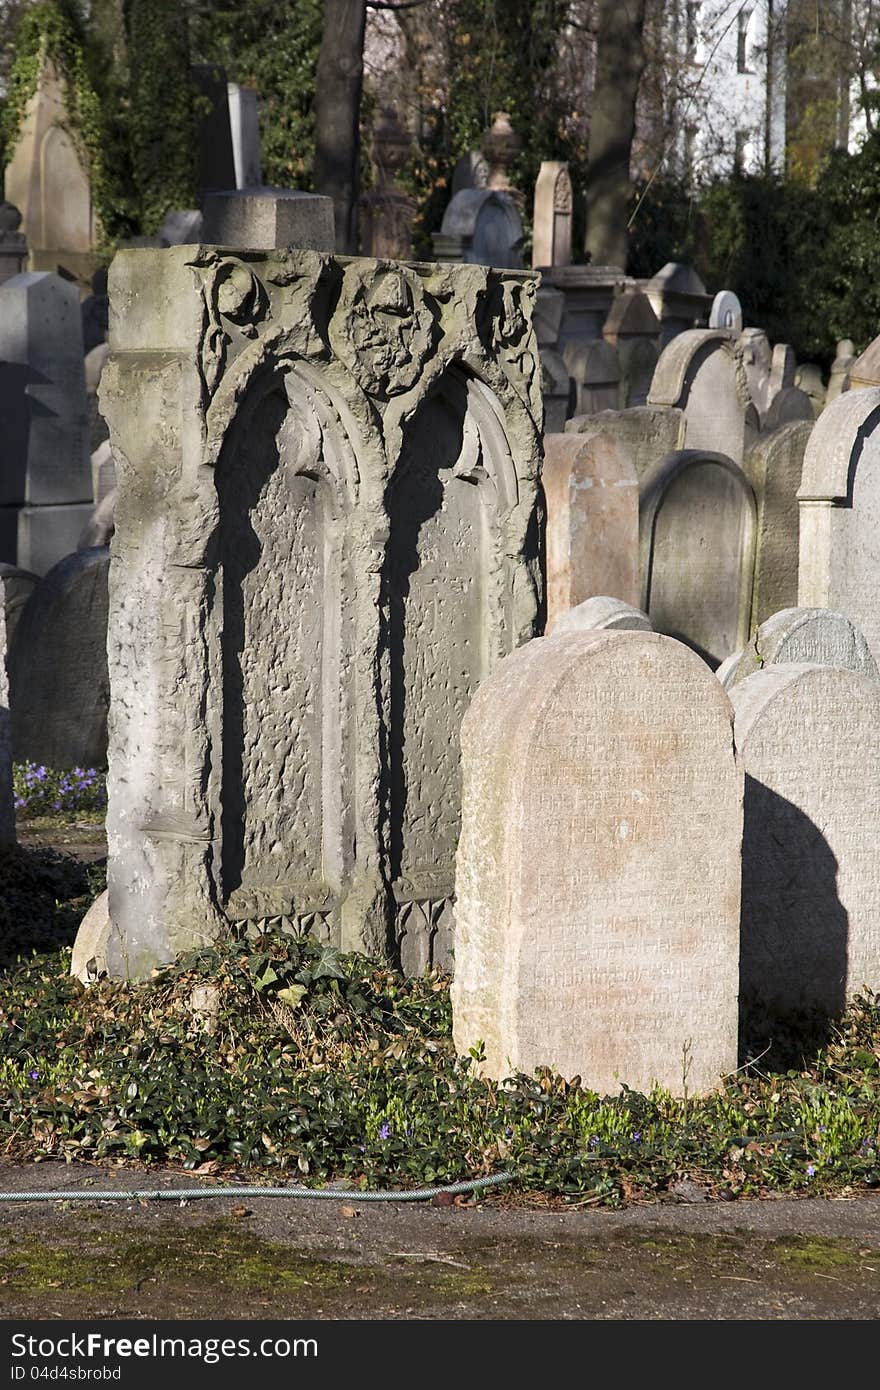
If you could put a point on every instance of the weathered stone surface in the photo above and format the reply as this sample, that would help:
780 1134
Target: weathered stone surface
808 377
592 496
557 390
47 179
808 738
697 526
551 223
757 359
603 612
646 433
840 369
59 691
386 212
773 467
805 636
679 298
726 312
182 227
13 243
702 373
89 958
18 585
839 498
326 537
44 482
608 950
268 219
633 330
865 370
788 406
7 802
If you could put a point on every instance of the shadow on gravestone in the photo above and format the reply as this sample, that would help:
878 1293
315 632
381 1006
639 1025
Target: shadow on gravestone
792 983
58 682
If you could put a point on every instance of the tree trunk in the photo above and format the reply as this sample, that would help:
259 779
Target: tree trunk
337 114
620 58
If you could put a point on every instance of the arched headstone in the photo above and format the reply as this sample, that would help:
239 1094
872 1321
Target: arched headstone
702 373
604 944
804 637
774 468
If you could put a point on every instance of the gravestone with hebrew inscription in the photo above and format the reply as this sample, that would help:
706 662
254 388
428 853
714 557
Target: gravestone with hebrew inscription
326 537
647 433
839 499
808 738
592 532
606 946
697 531
803 636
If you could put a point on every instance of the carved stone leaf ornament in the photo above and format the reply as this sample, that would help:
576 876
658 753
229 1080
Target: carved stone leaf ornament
233 295
383 330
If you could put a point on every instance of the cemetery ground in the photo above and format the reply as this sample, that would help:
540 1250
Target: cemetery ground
283 1062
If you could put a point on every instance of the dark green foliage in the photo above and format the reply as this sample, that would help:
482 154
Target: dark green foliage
162 116
275 49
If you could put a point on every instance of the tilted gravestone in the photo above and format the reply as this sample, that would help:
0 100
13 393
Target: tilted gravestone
702 373
45 482
808 739
774 467
803 636
60 720
697 524
326 537
839 497
592 530
598 871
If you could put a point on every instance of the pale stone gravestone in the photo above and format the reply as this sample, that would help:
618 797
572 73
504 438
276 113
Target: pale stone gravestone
865 370
633 330
726 312
598 871
244 125
804 636
808 739
268 219
48 181
328 544
551 225
774 468
697 524
45 485
783 366
839 501
605 613
7 801
18 585
702 373
557 387
841 367
481 227
595 371
809 379
13 243
646 433
61 721
592 531
679 298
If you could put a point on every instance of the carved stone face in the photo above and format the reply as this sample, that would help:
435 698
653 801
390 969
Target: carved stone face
382 330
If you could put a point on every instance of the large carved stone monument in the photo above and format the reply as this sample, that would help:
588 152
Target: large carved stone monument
326 537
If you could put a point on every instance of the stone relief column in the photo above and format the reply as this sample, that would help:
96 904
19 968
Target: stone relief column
326 536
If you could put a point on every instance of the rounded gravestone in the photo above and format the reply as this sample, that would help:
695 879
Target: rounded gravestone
58 682
598 869
726 311
603 613
806 636
808 738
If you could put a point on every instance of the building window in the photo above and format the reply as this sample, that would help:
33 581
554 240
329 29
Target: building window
743 20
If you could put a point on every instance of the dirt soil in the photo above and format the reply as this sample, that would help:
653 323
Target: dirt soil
299 1258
